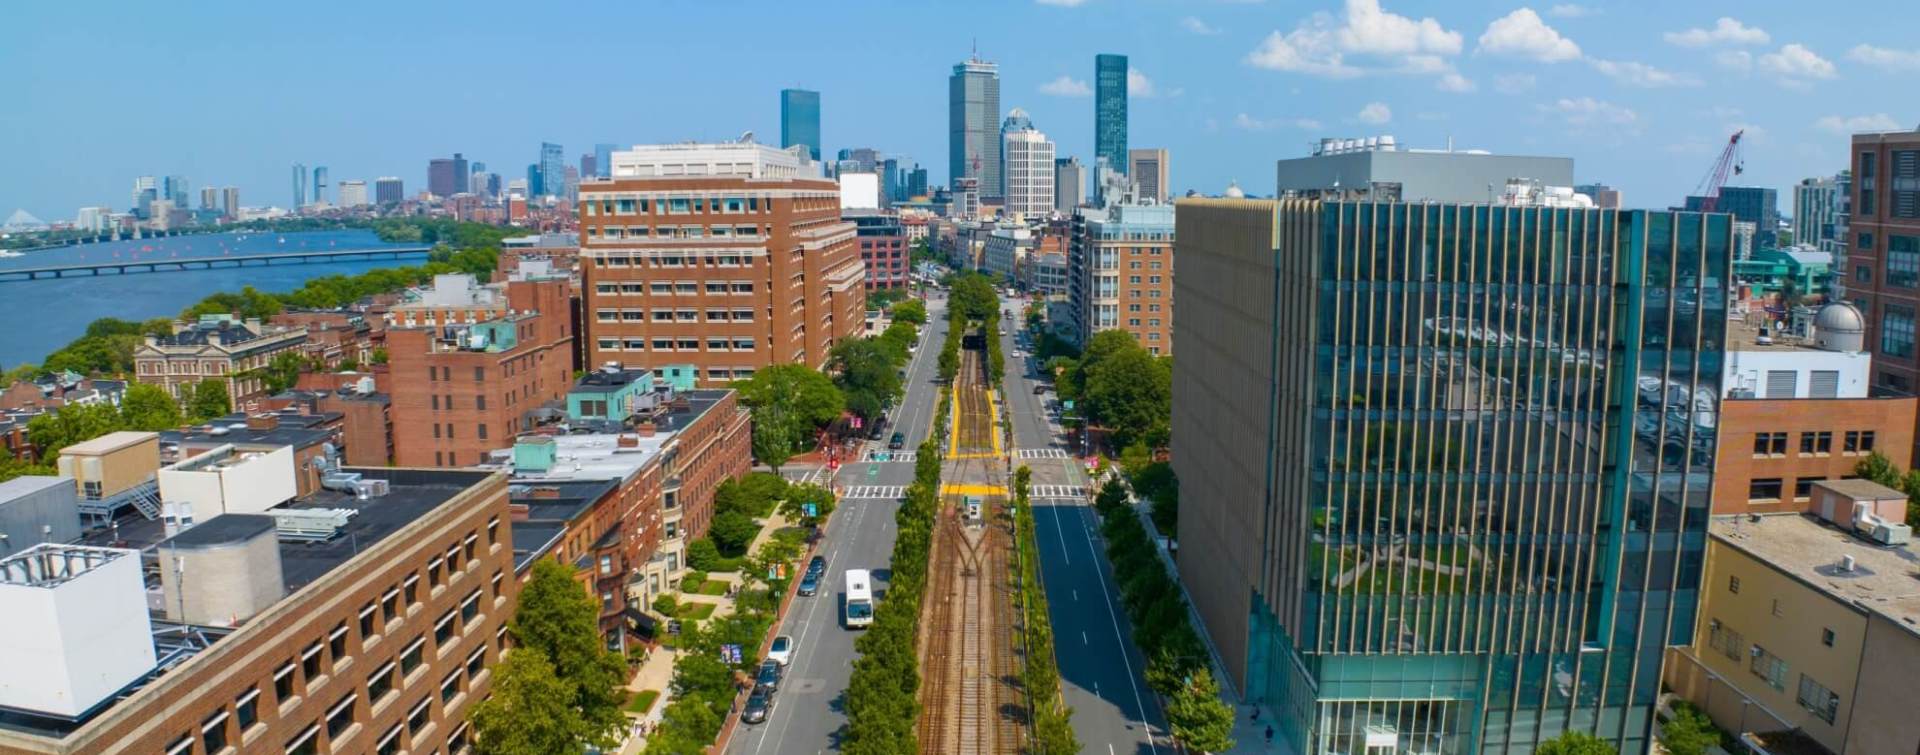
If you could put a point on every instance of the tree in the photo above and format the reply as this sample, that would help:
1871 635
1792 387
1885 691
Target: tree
867 375
1878 468
666 604
530 711
1131 393
557 618
733 531
52 431
1575 743
1198 717
11 467
755 494
1690 731
283 371
971 297
775 436
702 554
210 400
910 310
788 401
794 507
149 408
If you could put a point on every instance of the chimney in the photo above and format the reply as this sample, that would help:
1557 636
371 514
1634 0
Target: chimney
645 429
264 421
630 441
546 494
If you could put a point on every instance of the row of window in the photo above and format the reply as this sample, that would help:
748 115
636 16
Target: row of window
673 315
1772 669
675 344
675 206
675 232
1768 489
673 288
677 260
1814 443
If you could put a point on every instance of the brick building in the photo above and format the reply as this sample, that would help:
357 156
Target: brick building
729 257
335 336
215 347
1882 261
1120 273
469 366
378 639
883 247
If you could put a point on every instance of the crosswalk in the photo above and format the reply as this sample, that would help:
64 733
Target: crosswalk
1059 491
1040 453
875 491
881 454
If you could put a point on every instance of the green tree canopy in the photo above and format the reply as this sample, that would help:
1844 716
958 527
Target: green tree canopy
209 400
867 375
530 711
1131 393
971 297
1197 716
148 407
733 531
557 618
1575 743
788 402
911 311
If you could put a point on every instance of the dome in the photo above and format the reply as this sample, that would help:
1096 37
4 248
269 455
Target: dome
1840 316
1233 190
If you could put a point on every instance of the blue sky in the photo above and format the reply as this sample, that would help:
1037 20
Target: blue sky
1641 94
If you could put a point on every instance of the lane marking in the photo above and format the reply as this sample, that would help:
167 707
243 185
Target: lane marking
963 489
1122 638
1083 637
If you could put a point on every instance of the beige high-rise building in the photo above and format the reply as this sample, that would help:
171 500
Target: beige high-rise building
728 257
1148 168
353 193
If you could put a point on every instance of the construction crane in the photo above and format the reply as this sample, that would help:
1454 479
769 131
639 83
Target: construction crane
1729 163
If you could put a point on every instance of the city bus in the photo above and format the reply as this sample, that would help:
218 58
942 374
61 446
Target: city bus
859 599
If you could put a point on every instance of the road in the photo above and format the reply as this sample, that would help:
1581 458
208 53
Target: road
809 712
1102 671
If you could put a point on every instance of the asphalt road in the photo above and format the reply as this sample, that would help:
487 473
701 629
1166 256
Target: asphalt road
1102 672
809 712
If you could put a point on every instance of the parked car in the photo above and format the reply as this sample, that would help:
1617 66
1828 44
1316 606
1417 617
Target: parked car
879 428
1039 389
759 705
818 565
781 651
768 677
898 442
809 585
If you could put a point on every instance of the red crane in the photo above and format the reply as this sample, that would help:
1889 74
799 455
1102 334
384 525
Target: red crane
1729 163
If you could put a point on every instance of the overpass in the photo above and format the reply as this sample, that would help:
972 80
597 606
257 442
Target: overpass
176 264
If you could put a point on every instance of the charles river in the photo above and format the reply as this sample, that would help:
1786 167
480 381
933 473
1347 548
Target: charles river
43 315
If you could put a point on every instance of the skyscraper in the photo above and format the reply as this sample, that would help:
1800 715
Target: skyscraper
917 181
1753 204
973 126
589 165
1029 166
299 186
209 197
388 190
800 120
461 174
1110 110
440 173
536 183
319 184
1816 213
1473 510
553 170
353 193
142 185
230 202
1148 167
175 190
603 159
1069 184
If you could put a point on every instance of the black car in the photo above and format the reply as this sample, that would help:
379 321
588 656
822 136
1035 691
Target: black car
899 441
759 704
769 676
817 566
1039 389
809 585
879 428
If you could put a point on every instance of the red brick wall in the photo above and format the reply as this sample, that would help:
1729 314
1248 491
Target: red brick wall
1736 464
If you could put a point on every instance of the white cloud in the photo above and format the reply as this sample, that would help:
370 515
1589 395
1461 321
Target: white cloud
1857 124
1581 112
1882 57
1321 44
1735 60
1197 26
1454 82
1513 83
1138 85
1640 74
1522 34
1375 113
1066 86
1249 123
1795 61
1726 31
1570 10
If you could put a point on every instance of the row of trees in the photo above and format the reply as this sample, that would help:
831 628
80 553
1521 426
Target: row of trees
1052 719
882 704
739 504
1120 386
1154 481
1177 666
791 402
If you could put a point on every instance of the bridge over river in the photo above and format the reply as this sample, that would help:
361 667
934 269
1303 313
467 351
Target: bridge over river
176 264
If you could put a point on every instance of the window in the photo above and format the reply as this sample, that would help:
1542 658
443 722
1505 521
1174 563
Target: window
246 710
1725 640
1765 444
450 686
380 683
417 718
481 429
1858 442
307 743
1765 489
443 631
283 684
1769 667
310 662
1816 443
1826 637
337 643
340 717
1803 487
457 743
366 622
477 662
1903 261
389 742
390 607
213 732
181 746
493 531
1863 242
1896 330
1864 179
1733 584
470 608
433 571
1817 699
498 580
480 402
410 658
412 587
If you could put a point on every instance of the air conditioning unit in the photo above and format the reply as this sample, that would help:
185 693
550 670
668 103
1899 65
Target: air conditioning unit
1890 533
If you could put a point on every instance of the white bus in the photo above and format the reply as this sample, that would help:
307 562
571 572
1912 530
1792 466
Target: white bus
859 598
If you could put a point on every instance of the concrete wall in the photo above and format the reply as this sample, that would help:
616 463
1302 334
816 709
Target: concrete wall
67 647
249 485
1883 706
1747 370
37 509
1423 176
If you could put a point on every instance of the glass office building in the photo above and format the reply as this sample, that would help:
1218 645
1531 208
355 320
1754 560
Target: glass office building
800 120
1110 111
1487 467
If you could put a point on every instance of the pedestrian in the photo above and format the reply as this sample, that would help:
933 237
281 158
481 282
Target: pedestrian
1256 714
1269 733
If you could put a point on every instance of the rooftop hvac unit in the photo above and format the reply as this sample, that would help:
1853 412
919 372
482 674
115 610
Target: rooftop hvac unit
310 525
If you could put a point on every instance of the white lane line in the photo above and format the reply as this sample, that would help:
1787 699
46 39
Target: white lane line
807 627
1122 641
1064 554
1083 637
1076 596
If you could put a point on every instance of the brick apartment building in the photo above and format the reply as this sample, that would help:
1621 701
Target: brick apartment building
883 247
380 639
215 346
1120 273
335 336
1882 262
729 257
469 365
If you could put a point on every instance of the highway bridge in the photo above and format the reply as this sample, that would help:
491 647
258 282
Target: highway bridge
176 264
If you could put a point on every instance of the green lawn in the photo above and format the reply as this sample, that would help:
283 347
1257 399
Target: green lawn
642 701
710 587
696 611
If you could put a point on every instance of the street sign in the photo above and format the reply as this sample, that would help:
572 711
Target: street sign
810 509
1068 404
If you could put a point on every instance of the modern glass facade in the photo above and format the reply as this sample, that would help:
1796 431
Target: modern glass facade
1486 508
1110 111
800 120
973 126
553 171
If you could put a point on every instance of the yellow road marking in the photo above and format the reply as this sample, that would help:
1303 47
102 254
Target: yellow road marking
957 489
993 421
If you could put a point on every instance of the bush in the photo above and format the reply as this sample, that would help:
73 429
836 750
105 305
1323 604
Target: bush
692 581
733 531
666 605
1690 731
704 555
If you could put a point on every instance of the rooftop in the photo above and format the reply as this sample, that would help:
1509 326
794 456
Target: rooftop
25 485
106 444
1884 580
220 330
290 429
605 380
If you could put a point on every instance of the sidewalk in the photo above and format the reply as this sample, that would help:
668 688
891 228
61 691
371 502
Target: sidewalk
653 675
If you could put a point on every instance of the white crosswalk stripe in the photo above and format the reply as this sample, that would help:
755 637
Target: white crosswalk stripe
874 454
875 491
1059 491
1040 453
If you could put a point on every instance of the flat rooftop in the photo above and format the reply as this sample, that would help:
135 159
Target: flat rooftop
296 430
1745 336
1885 580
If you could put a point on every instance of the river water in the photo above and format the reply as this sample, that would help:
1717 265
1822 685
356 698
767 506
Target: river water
43 315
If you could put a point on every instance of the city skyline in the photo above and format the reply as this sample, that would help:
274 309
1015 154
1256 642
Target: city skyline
1227 88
